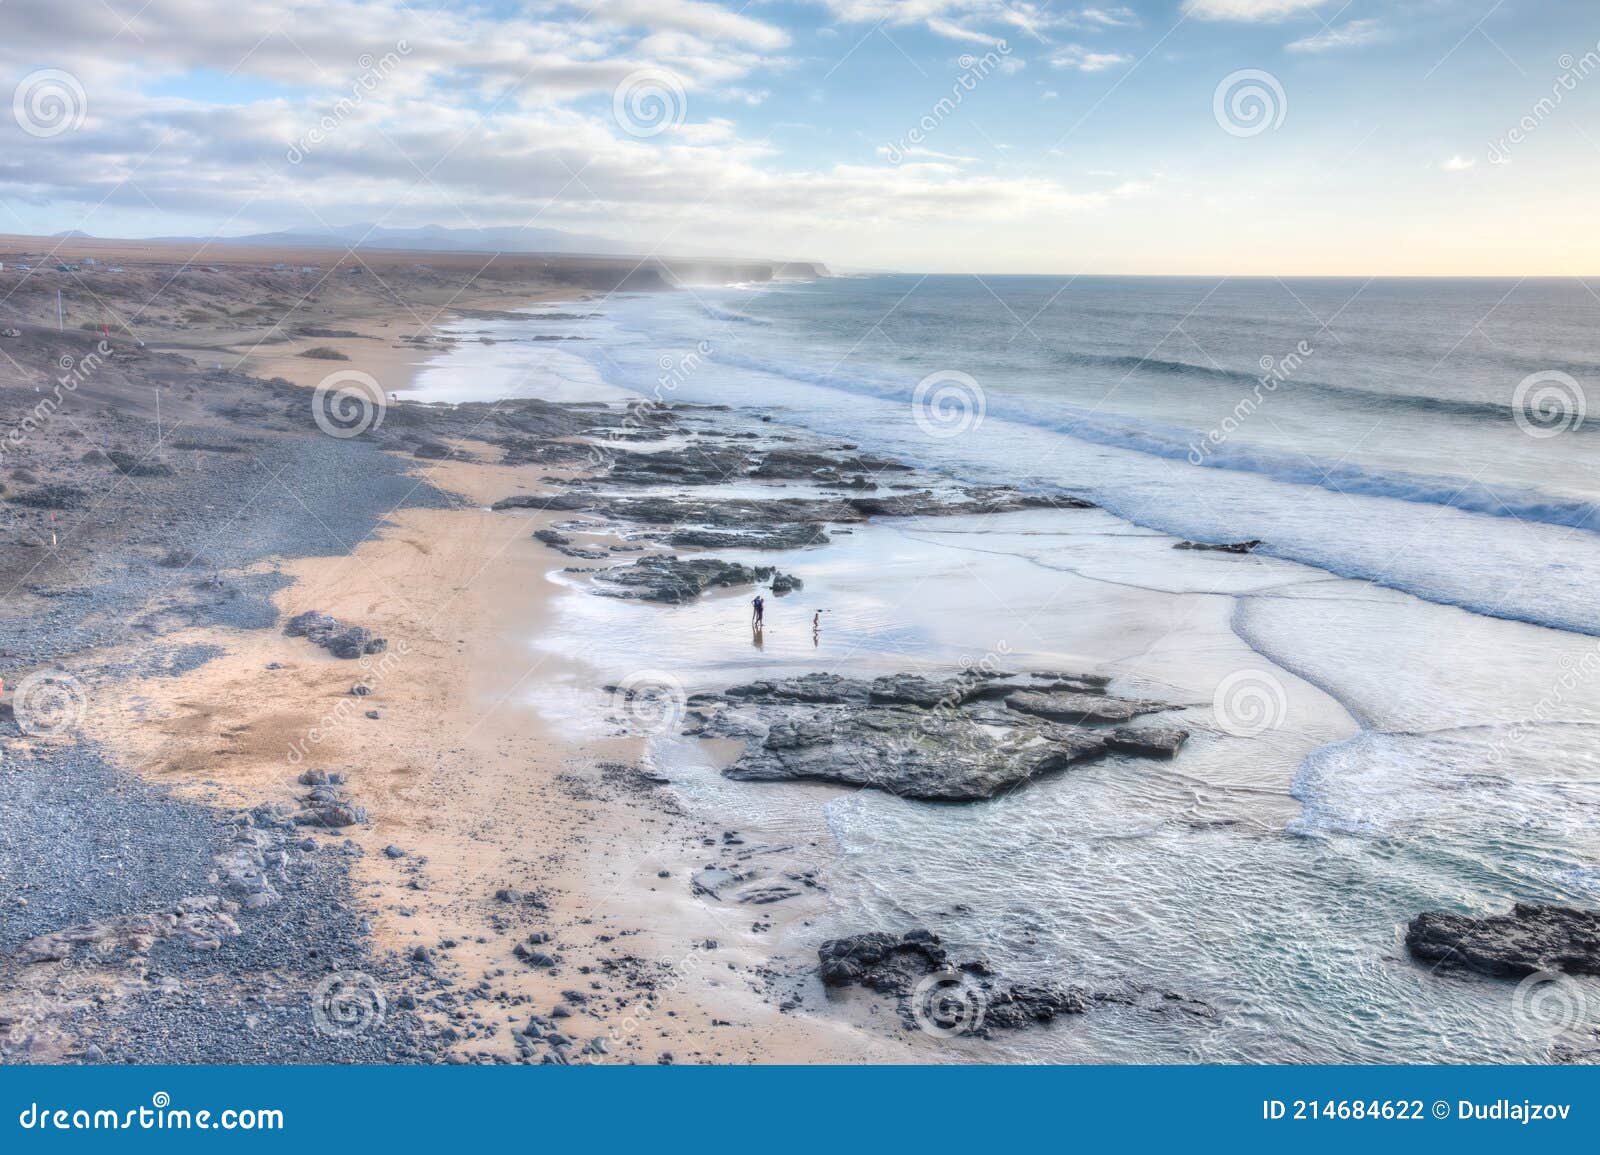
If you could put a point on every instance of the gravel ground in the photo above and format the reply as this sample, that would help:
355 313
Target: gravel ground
84 842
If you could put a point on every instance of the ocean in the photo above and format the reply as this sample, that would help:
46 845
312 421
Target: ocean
1418 634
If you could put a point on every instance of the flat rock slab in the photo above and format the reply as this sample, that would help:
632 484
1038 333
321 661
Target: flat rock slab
673 580
915 754
1529 940
1147 741
936 739
1077 706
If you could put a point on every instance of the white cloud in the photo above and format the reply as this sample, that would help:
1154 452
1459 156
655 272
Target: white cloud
1105 17
1248 10
1351 34
1458 163
968 20
1078 57
484 119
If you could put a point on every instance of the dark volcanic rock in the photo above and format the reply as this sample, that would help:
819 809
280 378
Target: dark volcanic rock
934 756
695 465
431 450
1223 547
793 535
801 464
889 964
915 690
670 579
1528 940
52 497
814 688
919 737
133 465
334 636
950 998
1077 706
1148 741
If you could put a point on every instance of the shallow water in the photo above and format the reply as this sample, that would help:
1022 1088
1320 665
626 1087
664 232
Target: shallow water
1420 754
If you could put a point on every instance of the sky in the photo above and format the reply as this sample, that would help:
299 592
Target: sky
1240 137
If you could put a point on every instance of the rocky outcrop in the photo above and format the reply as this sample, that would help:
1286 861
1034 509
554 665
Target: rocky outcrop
201 923
1077 706
1528 940
785 535
926 738
1147 741
935 756
673 580
887 963
949 998
340 640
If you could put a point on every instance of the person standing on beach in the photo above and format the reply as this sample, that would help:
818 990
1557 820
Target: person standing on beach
757 611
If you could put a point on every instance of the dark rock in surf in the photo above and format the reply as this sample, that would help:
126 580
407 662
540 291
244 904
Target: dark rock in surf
1529 940
674 580
1223 547
1148 741
914 753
